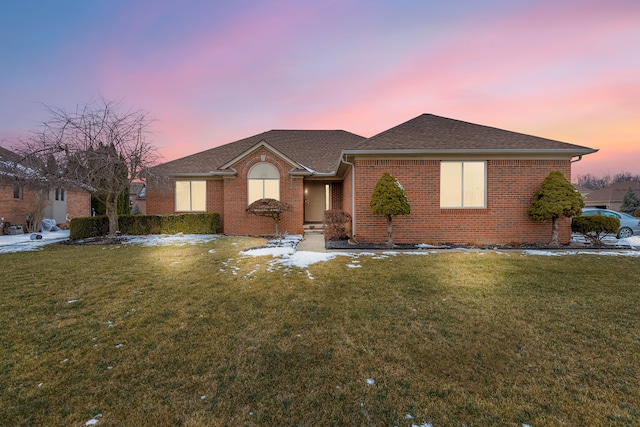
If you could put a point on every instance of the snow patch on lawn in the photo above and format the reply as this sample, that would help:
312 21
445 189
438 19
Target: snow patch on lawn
23 242
178 239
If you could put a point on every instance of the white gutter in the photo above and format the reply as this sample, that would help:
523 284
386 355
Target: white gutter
311 172
503 151
353 194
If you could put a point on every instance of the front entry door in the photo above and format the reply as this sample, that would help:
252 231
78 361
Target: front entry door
315 201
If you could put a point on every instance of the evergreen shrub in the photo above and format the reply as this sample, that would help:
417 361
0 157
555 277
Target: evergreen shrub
90 226
200 223
594 228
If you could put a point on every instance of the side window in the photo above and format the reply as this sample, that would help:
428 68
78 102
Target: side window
191 196
263 182
17 191
463 184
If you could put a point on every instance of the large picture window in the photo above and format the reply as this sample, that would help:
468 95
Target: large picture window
463 184
263 182
191 196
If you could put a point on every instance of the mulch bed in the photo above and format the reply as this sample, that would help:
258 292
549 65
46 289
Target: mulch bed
100 240
345 245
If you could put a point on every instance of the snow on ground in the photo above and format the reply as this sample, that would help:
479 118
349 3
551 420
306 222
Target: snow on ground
24 242
284 252
178 239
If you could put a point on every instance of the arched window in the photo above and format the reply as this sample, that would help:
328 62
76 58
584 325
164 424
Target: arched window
263 182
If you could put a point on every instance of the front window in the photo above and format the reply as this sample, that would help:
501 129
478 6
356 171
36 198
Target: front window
263 182
463 184
60 194
191 196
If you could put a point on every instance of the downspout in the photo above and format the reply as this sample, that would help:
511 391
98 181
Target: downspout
577 160
353 194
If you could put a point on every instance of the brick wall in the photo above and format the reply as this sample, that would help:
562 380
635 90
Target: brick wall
347 192
238 221
228 197
510 188
160 198
14 210
78 204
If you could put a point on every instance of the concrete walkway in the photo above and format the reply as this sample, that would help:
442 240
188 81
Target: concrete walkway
312 242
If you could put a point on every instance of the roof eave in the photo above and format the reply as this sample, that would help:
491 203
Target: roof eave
569 151
230 172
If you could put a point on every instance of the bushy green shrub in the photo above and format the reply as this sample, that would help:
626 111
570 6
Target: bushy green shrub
637 213
594 228
555 198
335 224
202 223
388 200
91 226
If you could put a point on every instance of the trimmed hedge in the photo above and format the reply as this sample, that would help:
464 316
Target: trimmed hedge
595 227
202 223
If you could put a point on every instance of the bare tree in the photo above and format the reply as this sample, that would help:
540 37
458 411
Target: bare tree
98 147
594 183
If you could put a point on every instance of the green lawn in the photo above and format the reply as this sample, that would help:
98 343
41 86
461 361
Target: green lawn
203 336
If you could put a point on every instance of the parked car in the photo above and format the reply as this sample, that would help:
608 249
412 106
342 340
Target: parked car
629 225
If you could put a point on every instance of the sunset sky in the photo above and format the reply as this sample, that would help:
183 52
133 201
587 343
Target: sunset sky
212 72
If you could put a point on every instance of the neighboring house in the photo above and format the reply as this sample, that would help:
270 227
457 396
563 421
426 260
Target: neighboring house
611 197
467 183
19 201
583 190
138 196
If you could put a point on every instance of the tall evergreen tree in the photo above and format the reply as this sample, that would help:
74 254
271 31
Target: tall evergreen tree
556 198
389 199
630 202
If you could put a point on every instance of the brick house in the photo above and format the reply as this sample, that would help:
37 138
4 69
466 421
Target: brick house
18 200
467 183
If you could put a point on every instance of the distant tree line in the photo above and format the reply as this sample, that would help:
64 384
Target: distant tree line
594 183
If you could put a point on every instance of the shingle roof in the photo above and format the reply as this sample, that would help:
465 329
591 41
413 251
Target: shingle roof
428 132
8 155
613 193
320 150
317 150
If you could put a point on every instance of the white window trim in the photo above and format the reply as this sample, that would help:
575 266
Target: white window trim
263 181
462 204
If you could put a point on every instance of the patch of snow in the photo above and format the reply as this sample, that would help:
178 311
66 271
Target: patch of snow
178 239
23 242
371 381
93 421
629 253
274 251
353 266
